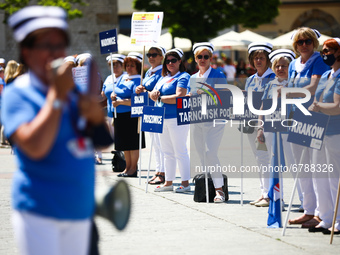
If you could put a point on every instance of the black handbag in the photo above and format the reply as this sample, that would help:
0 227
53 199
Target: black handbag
118 161
199 194
246 128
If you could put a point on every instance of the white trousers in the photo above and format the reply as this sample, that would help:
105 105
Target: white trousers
332 146
37 235
174 145
159 155
207 140
305 179
262 159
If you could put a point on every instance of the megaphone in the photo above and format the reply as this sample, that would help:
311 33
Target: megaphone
115 204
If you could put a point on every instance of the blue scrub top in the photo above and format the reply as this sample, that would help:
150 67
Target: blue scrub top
150 80
124 89
328 97
250 83
108 89
60 185
169 88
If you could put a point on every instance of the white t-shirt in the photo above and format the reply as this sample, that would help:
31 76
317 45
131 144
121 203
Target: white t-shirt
230 71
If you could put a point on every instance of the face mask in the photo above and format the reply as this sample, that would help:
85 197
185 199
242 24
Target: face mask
328 59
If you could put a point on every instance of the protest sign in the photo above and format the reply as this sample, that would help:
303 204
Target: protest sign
108 41
308 131
146 28
137 103
153 119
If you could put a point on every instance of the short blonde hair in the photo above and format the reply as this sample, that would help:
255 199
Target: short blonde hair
288 60
305 32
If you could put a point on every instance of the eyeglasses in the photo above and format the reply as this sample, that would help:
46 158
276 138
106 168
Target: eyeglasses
280 66
203 56
325 51
173 60
152 55
307 42
259 58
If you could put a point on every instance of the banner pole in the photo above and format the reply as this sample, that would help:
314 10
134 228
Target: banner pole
335 213
140 125
113 84
241 165
147 176
293 193
278 135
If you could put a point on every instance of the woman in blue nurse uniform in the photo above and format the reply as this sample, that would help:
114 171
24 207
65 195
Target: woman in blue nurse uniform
259 59
125 127
53 188
327 101
173 84
280 62
155 56
207 138
305 72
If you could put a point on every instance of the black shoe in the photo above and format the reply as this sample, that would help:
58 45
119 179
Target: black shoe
328 232
315 229
130 175
121 175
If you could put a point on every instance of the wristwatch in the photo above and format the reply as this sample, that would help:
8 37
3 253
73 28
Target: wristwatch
57 104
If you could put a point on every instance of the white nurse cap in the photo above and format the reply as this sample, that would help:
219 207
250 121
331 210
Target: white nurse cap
118 57
32 18
160 48
203 45
260 46
176 50
136 55
281 53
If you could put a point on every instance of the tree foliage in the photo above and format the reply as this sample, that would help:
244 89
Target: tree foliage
200 20
11 6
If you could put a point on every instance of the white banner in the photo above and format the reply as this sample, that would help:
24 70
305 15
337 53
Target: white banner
146 28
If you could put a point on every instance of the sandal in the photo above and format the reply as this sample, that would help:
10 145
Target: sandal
160 177
220 198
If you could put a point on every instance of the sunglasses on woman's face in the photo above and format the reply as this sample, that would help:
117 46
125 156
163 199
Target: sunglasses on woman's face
206 57
173 60
325 51
152 55
307 42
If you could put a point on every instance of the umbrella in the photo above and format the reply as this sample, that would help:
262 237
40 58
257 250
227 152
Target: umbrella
230 41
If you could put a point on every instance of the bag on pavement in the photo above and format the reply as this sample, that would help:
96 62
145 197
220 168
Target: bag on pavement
199 194
118 161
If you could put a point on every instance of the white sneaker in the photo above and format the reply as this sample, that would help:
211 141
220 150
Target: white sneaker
163 188
182 189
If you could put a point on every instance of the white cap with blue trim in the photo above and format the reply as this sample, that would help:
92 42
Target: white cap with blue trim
260 46
136 55
118 57
281 53
32 18
162 49
203 45
176 50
